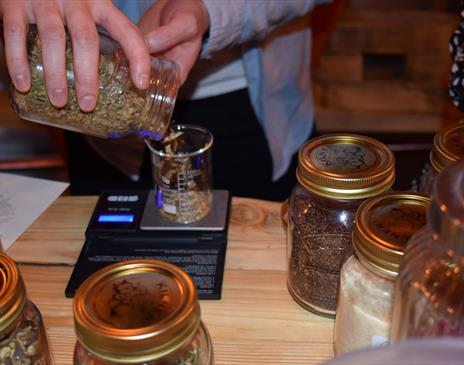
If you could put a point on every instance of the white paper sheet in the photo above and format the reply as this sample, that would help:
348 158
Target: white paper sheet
22 201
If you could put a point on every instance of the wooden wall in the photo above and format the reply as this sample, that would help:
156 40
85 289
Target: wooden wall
385 67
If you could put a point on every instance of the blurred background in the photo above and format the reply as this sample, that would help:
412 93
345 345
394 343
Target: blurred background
380 67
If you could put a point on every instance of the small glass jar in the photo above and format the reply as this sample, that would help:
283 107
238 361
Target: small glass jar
140 312
121 110
430 284
448 146
336 173
22 332
384 225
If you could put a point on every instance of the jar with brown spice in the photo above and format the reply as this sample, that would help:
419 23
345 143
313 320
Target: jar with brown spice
336 173
23 340
448 146
140 312
384 225
121 110
430 283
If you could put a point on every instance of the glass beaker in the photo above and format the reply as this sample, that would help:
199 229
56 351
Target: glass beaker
182 172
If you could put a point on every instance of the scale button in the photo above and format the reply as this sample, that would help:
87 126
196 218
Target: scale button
112 198
133 198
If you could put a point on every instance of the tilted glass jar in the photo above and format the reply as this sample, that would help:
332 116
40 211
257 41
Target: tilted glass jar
22 332
430 284
448 146
140 312
121 110
336 173
384 225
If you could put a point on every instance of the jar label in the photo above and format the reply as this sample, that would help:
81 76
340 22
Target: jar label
343 158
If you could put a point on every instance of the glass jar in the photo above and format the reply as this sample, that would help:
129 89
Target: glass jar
336 173
22 332
384 224
448 146
121 110
140 312
430 283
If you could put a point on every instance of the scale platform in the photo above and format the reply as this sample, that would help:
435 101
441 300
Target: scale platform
127 225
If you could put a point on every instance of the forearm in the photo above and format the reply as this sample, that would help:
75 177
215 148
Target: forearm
234 22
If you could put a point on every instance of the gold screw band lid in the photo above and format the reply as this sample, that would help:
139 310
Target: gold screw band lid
136 311
12 292
384 225
347 166
448 146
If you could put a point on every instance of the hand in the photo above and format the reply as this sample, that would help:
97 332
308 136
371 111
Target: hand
175 29
80 17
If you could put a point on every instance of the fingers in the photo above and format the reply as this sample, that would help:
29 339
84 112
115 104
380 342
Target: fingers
14 31
185 56
85 47
131 41
53 42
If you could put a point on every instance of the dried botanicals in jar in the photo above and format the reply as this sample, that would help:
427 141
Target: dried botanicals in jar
122 109
23 340
335 174
384 225
142 312
430 283
448 146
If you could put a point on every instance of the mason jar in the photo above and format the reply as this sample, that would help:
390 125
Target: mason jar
121 110
335 173
140 312
22 332
384 225
430 283
448 146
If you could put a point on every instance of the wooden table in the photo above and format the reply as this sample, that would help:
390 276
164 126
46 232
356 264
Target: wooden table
255 322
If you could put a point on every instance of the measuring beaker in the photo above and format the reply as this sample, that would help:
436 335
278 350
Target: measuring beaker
182 172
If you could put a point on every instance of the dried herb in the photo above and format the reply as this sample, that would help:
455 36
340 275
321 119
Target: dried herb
26 343
321 241
121 108
183 180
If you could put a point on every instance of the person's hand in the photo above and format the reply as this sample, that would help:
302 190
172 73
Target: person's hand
80 18
175 29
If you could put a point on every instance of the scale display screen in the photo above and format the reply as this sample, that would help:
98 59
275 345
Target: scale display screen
116 218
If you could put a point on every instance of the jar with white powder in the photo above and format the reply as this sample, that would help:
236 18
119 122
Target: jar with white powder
383 226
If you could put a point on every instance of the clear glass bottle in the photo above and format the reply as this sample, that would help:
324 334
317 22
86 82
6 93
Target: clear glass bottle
448 146
430 283
121 110
384 225
336 173
140 312
23 340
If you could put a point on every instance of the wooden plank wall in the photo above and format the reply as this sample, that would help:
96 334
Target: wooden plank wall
385 68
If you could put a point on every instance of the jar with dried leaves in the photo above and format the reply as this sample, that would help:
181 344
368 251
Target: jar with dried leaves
384 225
430 283
121 110
448 146
23 340
336 173
140 312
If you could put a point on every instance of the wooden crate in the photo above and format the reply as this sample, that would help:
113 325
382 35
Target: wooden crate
386 68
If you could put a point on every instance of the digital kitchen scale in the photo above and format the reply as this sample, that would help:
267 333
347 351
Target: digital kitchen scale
127 225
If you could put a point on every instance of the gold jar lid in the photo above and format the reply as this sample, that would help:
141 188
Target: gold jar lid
12 292
136 311
384 225
346 166
448 146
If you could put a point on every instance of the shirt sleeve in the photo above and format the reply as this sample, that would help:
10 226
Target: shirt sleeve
235 22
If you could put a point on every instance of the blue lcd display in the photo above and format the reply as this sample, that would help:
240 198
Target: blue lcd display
116 218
